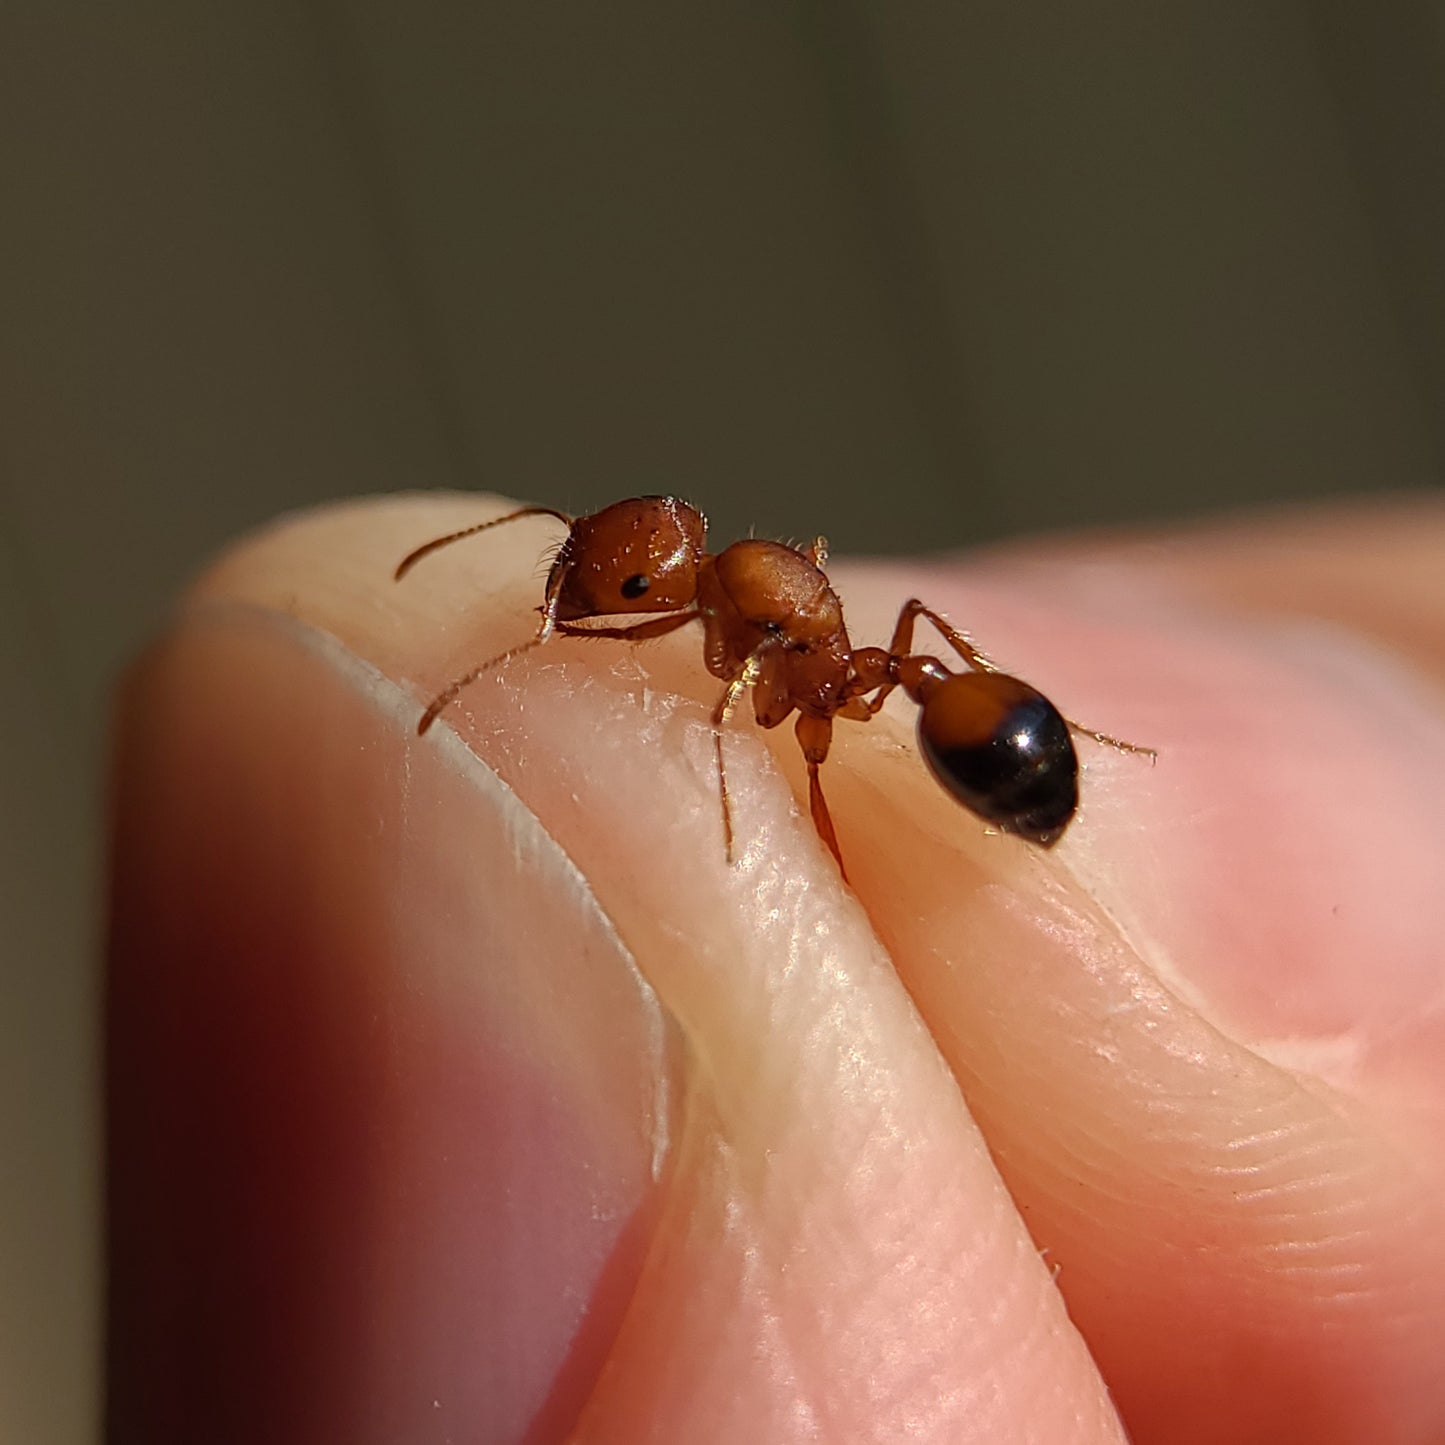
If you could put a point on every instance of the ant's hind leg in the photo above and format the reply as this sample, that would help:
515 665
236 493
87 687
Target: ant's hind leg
960 642
1118 744
963 645
814 736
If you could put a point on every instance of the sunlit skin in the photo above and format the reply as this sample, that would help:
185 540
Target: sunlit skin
460 1086
773 627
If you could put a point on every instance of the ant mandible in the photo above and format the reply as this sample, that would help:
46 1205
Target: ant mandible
773 626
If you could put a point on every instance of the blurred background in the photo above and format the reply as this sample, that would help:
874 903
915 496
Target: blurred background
915 275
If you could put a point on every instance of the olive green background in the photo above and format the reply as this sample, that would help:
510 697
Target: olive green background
912 274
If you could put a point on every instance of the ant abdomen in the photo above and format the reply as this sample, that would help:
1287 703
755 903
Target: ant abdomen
1003 750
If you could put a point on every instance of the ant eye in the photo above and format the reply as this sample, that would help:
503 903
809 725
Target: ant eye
635 586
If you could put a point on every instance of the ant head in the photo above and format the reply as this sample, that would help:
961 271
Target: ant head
1001 748
640 555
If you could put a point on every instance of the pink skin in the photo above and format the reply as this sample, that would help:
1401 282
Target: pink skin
462 1090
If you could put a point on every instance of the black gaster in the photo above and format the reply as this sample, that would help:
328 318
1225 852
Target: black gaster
1024 777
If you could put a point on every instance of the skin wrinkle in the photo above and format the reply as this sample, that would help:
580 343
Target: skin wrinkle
788 1336
1251 1182
1089 1154
786 1354
764 1262
1264 1140
1093 1162
1318 1091
579 1431
789 1353
1315 1263
793 1343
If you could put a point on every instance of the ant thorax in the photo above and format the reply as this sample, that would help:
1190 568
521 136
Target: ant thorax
764 601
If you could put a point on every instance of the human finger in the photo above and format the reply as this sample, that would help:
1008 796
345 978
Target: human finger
463 1085
1203 1035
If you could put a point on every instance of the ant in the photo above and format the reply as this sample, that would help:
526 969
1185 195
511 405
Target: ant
773 626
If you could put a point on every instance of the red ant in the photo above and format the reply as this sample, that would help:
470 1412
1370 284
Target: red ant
773 626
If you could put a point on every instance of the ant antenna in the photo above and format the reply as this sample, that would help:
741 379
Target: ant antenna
453 690
412 558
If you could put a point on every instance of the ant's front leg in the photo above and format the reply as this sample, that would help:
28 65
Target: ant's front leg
653 627
638 632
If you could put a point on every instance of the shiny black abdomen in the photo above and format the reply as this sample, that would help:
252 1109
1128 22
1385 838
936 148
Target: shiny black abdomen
1023 776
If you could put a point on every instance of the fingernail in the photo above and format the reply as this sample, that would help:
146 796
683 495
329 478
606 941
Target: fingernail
388 1097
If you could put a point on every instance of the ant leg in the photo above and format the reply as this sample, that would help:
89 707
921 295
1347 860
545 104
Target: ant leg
960 642
963 645
1112 742
814 734
965 649
412 558
638 632
720 714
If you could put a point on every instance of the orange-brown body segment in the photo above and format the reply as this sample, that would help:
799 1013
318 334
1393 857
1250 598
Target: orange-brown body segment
770 602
